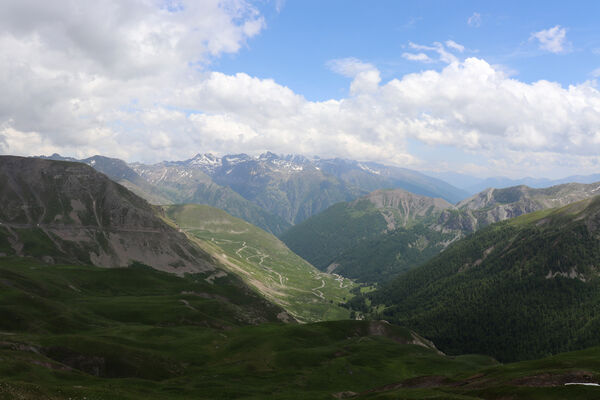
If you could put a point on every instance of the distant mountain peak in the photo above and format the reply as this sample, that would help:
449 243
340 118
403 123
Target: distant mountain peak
234 159
268 156
207 161
368 169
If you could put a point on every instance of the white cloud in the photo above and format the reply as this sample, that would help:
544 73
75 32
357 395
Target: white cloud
279 4
453 45
417 57
68 70
349 67
443 54
70 85
469 106
366 76
553 40
474 20
596 73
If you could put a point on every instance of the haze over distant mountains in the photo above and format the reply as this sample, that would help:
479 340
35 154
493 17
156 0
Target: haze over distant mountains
269 191
472 184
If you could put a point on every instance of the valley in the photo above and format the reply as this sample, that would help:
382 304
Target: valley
103 295
538 271
376 237
265 263
299 200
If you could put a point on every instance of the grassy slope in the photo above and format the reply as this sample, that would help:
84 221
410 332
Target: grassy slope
536 380
266 263
75 331
498 291
93 333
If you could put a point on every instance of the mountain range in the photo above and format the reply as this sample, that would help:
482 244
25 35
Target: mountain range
517 289
68 212
270 191
103 295
387 232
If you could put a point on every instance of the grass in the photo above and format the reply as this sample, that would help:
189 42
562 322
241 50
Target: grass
264 262
95 333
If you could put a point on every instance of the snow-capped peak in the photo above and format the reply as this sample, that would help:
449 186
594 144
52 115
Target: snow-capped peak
207 162
366 168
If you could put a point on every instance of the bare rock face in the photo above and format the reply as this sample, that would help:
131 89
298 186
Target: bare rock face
72 213
410 203
494 205
401 208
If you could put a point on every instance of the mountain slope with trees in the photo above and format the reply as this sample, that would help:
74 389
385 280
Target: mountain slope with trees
367 240
518 289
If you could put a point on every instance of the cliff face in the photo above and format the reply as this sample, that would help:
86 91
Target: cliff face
494 205
401 208
69 212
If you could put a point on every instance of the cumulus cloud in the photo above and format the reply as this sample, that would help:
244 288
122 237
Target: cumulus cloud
468 105
68 70
474 20
553 40
135 83
366 76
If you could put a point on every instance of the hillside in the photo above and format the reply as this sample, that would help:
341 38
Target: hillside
80 331
67 212
388 232
371 238
518 289
265 263
493 205
137 333
182 184
296 187
290 189
120 172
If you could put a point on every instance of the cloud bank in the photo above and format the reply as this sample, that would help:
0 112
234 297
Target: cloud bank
133 80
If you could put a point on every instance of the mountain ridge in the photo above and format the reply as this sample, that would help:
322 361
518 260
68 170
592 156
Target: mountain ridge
269 190
79 215
538 271
371 246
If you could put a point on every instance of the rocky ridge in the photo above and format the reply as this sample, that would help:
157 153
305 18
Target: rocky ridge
69 212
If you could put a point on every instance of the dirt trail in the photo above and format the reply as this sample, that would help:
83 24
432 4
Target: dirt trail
240 249
282 279
340 279
316 290
188 305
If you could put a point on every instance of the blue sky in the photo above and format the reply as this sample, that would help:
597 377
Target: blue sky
300 39
483 88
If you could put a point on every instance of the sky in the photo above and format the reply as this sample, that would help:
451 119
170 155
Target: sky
483 88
